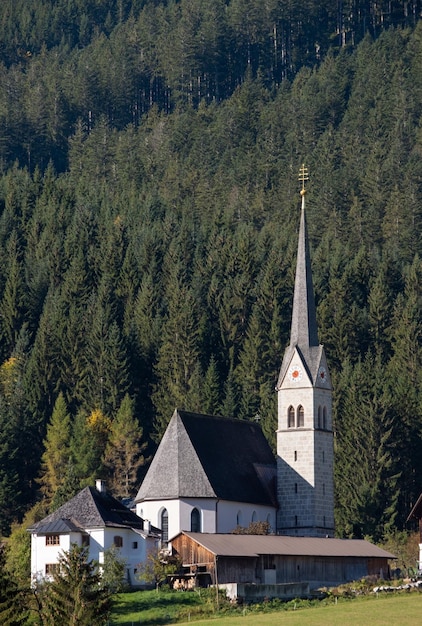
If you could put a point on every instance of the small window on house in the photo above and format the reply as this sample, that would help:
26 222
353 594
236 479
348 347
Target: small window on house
85 540
290 417
134 545
195 521
51 569
118 541
300 416
164 526
295 455
295 487
324 418
52 540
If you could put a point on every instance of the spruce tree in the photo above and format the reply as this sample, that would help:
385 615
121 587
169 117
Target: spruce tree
75 597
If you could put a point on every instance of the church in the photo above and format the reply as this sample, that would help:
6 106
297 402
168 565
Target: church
212 474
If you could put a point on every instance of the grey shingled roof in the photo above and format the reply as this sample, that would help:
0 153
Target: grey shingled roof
254 545
304 329
90 508
204 456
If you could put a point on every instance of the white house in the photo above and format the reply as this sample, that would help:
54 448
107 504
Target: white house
95 519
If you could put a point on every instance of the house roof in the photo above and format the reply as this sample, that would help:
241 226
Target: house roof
90 508
204 456
254 545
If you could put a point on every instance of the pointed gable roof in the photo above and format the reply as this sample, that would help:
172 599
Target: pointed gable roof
90 508
204 456
304 329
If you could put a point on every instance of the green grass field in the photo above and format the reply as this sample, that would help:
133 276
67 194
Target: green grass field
152 609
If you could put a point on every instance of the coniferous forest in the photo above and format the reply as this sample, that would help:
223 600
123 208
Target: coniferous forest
149 210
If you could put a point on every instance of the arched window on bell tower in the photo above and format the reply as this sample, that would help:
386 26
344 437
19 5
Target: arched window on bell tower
319 417
300 416
324 418
290 417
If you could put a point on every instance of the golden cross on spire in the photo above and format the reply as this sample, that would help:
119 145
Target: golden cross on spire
303 177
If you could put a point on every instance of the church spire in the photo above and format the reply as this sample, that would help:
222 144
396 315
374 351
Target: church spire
304 331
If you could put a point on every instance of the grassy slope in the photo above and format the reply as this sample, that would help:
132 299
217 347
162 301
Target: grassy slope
150 608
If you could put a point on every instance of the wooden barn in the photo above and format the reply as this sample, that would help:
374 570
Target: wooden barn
273 561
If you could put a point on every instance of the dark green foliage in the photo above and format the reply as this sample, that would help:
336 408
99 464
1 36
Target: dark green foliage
75 595
12 598
148 221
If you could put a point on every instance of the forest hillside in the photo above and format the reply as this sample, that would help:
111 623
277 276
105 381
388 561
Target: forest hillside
149 212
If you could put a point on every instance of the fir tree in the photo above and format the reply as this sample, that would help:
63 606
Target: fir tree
75 596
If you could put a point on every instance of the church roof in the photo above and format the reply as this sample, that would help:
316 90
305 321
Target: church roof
90 508
204 456
304 329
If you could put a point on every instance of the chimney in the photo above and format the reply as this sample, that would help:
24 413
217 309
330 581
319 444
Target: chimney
100 485
147 526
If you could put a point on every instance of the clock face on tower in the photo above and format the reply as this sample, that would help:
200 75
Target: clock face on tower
322 375
295 374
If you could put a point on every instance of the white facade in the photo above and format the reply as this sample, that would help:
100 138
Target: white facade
215 516
134 548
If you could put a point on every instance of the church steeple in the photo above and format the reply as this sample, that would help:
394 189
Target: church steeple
304 331
305 453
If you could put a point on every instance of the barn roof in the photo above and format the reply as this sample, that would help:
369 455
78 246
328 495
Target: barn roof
254 545
90 508
204 456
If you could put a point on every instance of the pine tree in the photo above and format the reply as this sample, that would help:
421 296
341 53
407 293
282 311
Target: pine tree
75 597
123 454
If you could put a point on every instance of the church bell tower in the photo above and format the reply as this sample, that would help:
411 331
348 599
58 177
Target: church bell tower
305 452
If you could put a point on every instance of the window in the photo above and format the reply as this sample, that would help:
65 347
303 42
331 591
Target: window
253 517
295 487
165 526
323 489
300 416
319 417
290 417
295 455
52 540
85 540
51 569
239 518
324 418
195 521
134 545
295 520
118 541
